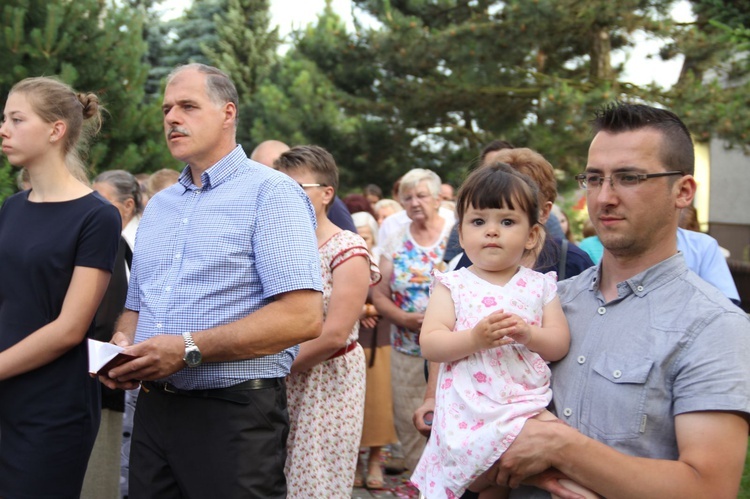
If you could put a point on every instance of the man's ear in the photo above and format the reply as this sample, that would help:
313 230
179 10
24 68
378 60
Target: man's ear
684 188
230 114
544 210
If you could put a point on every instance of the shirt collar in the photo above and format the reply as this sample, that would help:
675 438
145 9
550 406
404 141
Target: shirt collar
217 173
651 278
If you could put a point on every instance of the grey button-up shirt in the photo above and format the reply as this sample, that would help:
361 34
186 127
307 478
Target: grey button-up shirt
670 343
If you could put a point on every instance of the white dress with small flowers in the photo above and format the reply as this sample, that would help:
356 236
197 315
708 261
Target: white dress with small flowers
483 400
327 402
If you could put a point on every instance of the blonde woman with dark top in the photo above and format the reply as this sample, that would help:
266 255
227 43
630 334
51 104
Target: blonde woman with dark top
58 243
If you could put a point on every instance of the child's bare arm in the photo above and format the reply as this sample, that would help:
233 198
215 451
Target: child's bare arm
437 340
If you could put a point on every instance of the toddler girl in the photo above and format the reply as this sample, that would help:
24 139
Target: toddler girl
493 326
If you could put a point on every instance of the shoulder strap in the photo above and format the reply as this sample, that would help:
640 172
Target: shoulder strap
561 270
561 267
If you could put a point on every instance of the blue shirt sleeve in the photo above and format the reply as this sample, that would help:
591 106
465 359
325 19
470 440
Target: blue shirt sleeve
284 241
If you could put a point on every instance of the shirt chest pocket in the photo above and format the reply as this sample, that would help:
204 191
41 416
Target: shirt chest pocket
618 403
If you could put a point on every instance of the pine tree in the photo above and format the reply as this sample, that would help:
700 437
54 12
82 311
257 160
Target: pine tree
318 94
190 35
450 75
93 46
246 46
711 93
245 50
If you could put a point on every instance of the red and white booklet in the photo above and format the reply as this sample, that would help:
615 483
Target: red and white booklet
105 356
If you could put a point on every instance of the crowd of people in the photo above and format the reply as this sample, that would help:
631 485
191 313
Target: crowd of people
279 338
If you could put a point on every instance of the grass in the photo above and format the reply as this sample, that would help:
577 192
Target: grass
745 483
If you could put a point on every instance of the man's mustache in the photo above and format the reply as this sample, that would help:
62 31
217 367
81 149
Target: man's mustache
177 129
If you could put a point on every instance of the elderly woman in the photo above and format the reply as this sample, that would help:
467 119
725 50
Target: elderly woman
122 190
408 258
385 208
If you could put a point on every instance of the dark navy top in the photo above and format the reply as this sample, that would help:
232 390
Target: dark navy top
48 416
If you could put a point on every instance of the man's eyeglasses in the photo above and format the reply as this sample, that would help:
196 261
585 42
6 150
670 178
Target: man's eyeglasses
589 181
313 185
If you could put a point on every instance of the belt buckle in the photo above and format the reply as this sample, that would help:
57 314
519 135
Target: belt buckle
168 388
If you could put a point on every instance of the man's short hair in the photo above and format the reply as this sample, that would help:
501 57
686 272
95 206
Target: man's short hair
312 158
495 145
533 164
219 86
676 151
374 190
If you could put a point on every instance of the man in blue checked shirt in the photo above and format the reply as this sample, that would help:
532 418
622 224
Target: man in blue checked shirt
225 284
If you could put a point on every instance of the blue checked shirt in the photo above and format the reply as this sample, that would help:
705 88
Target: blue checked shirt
208 256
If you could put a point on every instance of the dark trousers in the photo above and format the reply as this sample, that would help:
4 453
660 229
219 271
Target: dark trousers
202 448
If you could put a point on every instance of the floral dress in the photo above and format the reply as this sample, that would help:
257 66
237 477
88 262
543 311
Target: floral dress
483 400
326 403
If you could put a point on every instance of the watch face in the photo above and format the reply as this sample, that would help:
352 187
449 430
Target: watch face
192 358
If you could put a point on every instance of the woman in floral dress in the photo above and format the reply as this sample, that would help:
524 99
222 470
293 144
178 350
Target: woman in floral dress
326 389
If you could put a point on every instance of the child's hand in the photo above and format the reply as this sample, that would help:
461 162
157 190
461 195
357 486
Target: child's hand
491 331
521 332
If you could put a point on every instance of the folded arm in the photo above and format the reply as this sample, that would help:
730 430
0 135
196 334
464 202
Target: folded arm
85 292
289 320
381 298
351 282
712 449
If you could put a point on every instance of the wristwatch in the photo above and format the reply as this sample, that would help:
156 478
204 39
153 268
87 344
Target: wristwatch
192 356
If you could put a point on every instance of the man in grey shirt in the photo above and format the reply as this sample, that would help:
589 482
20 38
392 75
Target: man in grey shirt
655 390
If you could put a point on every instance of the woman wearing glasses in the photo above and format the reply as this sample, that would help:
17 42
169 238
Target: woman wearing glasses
326 389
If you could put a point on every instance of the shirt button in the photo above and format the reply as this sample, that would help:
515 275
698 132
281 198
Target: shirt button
601 310
639 288
158 325
581 359
168 289
617 374
567 412
184 220
177 256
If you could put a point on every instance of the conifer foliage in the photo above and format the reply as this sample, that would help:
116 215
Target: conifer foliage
414 83
94 46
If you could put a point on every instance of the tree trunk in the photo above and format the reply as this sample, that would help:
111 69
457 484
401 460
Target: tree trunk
601 48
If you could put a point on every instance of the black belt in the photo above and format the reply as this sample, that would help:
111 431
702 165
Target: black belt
234 393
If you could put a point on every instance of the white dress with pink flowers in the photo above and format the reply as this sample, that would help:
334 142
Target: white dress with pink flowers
483 400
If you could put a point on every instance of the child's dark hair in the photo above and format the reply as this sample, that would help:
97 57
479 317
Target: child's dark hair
499 186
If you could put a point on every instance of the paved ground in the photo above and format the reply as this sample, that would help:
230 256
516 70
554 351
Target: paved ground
395 481
395 486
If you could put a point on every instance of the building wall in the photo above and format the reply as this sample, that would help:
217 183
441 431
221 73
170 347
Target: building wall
728 197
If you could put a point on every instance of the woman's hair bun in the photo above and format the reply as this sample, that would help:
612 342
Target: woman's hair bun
90 103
